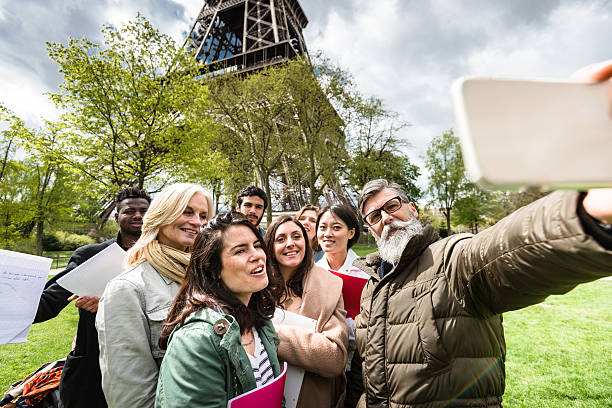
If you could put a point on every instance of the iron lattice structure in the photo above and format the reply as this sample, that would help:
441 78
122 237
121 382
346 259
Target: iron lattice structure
245 35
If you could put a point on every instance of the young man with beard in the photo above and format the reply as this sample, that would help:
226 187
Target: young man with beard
430 328
80 385
252 202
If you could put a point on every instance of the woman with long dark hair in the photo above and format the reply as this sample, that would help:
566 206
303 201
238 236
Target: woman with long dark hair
337 231
218 336
315 293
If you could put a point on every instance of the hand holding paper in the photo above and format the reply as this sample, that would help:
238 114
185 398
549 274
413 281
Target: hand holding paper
86 303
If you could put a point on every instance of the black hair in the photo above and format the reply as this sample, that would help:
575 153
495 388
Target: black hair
203 286
346 214
295 284
130 192
252 191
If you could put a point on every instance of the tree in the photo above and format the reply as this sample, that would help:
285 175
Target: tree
48 192
252 110
375 144
314 89
510 201
128 105
475 207
11 125
447 178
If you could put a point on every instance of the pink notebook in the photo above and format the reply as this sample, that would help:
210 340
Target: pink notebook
269 396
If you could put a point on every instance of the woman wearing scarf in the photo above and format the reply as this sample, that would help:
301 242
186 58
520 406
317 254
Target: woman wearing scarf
136 302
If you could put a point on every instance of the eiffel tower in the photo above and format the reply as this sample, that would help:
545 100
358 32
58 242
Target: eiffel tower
246 35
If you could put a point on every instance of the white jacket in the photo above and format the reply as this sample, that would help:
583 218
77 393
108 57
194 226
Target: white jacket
129 322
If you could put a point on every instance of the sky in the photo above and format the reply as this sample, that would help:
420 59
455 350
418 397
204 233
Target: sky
406 52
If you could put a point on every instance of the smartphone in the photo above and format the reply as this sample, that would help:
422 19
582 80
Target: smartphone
529 133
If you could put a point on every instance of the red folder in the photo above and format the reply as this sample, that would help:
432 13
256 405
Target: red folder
352 286
269 395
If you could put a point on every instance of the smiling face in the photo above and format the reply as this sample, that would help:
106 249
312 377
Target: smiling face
309 221
289 247
333 234
243 263
182 233
406 212
129 215
253 208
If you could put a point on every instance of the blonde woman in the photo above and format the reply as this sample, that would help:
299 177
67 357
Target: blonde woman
307 216
136 302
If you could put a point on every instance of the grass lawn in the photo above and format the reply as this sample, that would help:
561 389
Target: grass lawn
364 250
559 352
48 341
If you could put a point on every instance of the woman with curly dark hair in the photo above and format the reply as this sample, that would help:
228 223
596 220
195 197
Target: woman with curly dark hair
219 338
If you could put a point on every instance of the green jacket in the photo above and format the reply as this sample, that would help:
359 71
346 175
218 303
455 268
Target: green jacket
430 331
204 369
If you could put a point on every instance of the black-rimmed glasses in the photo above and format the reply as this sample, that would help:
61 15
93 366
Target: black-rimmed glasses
389 207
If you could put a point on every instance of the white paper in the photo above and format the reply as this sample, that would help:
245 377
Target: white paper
295 375
22 279
90 277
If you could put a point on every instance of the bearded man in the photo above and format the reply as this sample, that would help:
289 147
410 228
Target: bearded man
430 329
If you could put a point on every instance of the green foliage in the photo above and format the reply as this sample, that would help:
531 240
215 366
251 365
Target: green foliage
51 242
315 89
129 106
70 242
475 207
447 178
252 111
394 168
375 145
510 201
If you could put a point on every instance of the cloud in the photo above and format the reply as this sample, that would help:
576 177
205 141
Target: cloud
409 52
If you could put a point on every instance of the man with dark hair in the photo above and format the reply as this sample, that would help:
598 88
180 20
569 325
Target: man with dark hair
430 329
252 202
80 385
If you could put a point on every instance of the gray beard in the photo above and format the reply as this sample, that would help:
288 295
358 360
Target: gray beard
391 248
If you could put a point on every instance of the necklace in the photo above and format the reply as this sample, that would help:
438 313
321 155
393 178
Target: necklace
249 343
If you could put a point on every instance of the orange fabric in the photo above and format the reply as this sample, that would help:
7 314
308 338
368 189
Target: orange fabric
37 388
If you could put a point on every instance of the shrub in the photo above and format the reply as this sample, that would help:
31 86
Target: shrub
51 242
24 245
74 241
70 242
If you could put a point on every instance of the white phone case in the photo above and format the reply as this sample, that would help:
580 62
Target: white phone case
535 133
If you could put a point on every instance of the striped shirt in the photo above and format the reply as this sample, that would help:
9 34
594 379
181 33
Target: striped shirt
262 370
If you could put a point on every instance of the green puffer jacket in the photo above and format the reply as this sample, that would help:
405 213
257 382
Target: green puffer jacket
204 369
430 332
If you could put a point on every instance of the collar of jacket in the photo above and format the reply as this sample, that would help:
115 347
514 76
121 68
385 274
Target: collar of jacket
231 342
415 246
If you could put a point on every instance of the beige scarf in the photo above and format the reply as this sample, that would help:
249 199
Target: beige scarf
168 261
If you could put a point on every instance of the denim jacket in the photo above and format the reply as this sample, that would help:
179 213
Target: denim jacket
129 322
206 367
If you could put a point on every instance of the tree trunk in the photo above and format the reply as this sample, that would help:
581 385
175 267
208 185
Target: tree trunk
269 208
39 235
